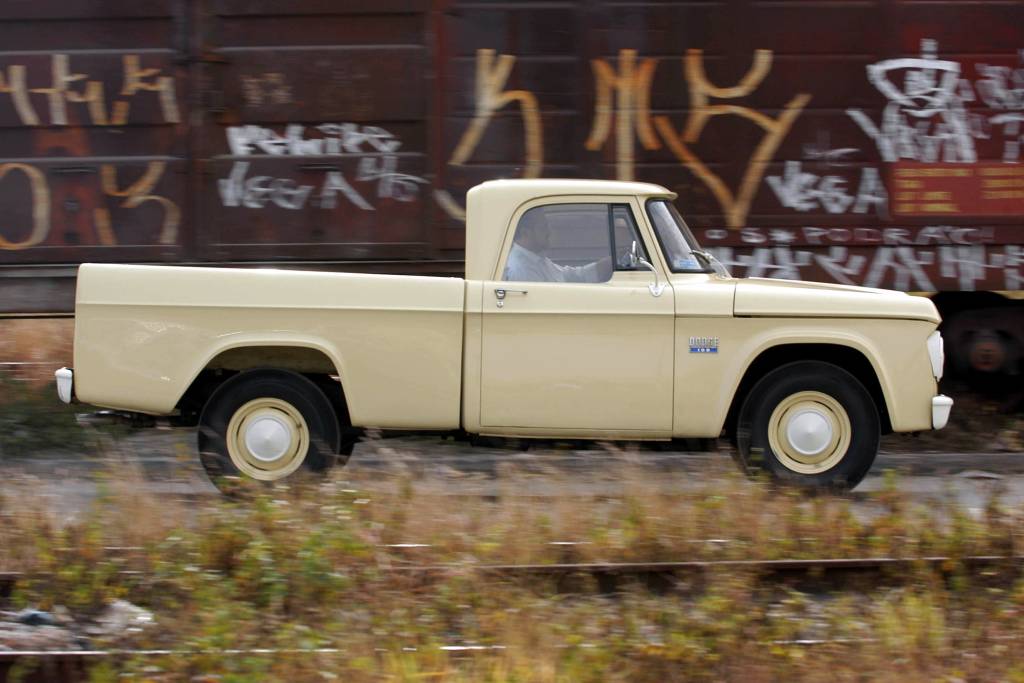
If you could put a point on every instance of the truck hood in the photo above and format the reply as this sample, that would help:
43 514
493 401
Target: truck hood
761 297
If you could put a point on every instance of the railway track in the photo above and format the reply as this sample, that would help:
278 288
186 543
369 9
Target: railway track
834 569
816 574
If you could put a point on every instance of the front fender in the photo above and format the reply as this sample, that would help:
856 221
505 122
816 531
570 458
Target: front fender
707 384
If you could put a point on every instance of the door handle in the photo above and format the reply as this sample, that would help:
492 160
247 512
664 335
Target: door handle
501 292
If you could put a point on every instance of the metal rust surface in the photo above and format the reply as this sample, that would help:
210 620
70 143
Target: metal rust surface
819 140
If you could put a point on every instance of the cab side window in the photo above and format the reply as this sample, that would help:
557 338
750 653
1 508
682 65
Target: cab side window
571 243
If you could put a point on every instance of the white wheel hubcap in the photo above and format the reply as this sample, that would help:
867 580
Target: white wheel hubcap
267 437
809 432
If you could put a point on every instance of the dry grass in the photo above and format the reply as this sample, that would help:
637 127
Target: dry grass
37 345
312 566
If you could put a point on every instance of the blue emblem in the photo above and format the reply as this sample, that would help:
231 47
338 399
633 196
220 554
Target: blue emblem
703 344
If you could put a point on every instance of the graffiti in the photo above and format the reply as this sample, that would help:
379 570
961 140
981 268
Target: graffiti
382 169
62 91
931 235
918 259
1002 89
623 98
256 192
804 191
632 90
136 194
376 148
40 206
735 204
925 119
267 88
826 154
491 96
962 267
338 138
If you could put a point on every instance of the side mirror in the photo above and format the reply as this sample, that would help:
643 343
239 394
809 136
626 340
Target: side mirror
635 259
634 255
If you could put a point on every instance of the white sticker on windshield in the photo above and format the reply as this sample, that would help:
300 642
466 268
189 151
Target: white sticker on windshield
686 263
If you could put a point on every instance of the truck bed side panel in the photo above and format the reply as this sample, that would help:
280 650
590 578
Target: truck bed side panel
143 333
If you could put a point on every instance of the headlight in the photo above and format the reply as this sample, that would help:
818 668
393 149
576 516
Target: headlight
936 353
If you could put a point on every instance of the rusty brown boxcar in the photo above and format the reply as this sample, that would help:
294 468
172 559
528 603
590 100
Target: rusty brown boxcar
874 142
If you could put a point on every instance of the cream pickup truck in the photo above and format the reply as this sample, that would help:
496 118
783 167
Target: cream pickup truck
588 311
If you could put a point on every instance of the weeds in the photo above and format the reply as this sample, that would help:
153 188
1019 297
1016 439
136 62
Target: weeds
306 583
32 419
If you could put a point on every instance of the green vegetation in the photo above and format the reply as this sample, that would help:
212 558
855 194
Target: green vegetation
312 583
32 419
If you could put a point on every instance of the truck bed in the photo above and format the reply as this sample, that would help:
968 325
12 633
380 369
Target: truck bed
143 333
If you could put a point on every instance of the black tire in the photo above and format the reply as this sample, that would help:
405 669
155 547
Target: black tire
819 394
276 397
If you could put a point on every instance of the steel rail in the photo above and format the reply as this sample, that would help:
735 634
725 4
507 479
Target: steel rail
769 567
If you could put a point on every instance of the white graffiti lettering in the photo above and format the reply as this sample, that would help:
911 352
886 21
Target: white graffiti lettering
1002 89
925 119
339 138
400 186
964 267
904 264
336 183
804 191
375 148
931 235
257 191
842 267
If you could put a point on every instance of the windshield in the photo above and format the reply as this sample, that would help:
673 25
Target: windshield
676 239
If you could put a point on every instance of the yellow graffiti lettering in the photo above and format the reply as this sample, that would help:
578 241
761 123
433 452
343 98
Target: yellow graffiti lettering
135 80
631 88
40 206
735 206
450 206
491 96
135 195
14 85
59 94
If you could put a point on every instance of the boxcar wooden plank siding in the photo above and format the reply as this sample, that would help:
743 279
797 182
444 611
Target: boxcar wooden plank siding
346 134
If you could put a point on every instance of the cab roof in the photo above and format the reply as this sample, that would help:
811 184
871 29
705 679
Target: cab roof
491 204
538 187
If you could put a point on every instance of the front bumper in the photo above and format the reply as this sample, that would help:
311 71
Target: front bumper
941 405
65 384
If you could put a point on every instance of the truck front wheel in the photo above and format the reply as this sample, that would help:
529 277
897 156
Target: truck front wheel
266 425
811 424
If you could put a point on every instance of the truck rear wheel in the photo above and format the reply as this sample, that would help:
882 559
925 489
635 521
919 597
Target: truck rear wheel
267 425
811 424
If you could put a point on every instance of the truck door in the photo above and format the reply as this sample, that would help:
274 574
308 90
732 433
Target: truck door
574 338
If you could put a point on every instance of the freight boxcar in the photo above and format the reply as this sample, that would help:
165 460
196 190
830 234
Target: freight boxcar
871 142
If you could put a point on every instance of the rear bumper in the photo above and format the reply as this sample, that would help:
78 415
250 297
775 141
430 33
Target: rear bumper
65 384
941 405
